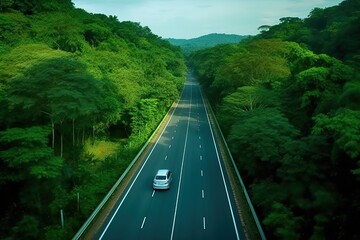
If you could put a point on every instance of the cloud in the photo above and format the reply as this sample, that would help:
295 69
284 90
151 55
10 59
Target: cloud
189 18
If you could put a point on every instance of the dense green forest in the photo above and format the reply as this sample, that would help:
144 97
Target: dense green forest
210 40
79 95
288 102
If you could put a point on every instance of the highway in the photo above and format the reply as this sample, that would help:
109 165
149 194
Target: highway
199 204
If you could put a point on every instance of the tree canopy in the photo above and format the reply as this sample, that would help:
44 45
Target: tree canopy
68 79
287 101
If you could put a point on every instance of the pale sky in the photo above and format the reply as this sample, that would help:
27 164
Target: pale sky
194 18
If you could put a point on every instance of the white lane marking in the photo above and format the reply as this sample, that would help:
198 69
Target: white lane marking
153 193
181 170
143 222
204 223
200 145
200 157
202 173
166 157
170 146
199 137
172 137
137 175
202 193
222 173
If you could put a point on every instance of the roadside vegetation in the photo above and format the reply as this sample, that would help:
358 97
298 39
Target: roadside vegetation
288 103
80 94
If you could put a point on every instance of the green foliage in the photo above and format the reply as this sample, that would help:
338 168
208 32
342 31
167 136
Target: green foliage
245 99
284 221
261 196
262 135
145 115
13 28
189 46
55 30
290 114
259 63
27 228
59 88
36 6
22 58
68 77
26 152
332 30
350 97
344 128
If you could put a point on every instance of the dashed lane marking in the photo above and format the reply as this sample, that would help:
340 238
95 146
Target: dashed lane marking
143 222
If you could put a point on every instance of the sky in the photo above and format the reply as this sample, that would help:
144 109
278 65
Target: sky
187 19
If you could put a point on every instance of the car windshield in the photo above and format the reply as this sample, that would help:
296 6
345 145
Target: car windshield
160 177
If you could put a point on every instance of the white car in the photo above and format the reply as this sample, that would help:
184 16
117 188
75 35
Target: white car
162 179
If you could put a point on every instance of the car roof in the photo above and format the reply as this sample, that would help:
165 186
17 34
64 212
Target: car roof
162 172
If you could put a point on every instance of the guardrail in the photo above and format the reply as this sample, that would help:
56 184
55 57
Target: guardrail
256 219
112 190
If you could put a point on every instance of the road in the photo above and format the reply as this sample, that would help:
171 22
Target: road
199 204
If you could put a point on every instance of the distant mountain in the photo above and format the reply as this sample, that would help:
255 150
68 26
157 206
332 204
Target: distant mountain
206 41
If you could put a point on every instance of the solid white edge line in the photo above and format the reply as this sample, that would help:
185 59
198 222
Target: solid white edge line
181 170
137 175
221 170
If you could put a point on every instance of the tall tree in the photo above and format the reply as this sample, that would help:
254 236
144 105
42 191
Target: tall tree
29 166
59 89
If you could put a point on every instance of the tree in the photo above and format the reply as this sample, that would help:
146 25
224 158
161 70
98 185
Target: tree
36 6
5 5
261 64
283 220
245 99
344 128
29 166
95 34
59 89
25 152
144 115
22 58
313 88
55 30
262 136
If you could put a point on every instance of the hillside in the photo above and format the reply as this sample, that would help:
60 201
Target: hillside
79 95
206 41
333 30
287 101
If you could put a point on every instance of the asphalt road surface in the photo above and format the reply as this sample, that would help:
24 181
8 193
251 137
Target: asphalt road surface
199 203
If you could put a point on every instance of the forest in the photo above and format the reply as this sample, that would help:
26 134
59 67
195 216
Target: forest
80 93
207 41
288 103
